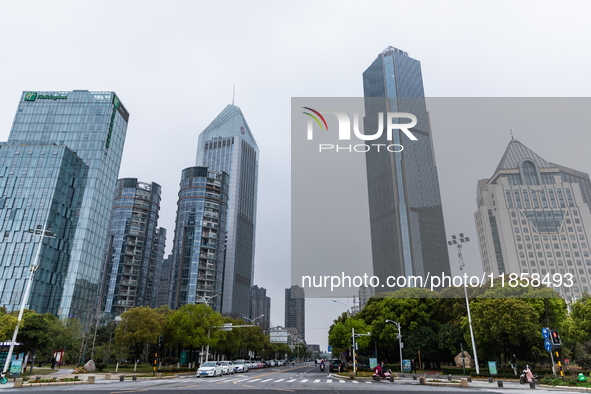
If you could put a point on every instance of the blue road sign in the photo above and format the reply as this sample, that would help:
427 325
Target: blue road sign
548 345
546 333
329 349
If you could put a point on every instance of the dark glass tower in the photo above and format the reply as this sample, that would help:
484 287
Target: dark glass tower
198 247
406 217
128 280
295 309
228 145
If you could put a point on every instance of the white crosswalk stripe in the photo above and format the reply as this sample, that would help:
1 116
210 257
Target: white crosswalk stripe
266 380
341 381
317 381
328 380
354 381
254 380
291 380
304 381
279 380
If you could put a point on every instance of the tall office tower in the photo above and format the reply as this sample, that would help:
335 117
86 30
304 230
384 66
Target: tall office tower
228 145
156 266
261 306
295 309
92 124
40 185
198 246
365 293
406 217
164 283
533 217
128 277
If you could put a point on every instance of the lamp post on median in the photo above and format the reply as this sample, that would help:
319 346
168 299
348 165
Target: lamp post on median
399 336
458 241
43 232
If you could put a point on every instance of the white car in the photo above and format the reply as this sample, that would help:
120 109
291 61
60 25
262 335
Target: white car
240 366
210 368
227 367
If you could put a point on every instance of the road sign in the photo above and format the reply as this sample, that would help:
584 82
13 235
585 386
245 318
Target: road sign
329 349
546 333
548 345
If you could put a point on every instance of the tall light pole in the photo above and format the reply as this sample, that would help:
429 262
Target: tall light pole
207 299
399 336
43 232
253 320
458 241
348 309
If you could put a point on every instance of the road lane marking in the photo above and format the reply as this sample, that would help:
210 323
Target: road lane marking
279 380
328 380
266 380
252 387
317 381
292 380
254 380
131 391
304 381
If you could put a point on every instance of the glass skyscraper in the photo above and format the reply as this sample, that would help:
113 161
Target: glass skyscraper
40 184
198 247
228 145
93 125
406 217
128 280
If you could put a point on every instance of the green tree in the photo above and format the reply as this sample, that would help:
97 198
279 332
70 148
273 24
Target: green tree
140 328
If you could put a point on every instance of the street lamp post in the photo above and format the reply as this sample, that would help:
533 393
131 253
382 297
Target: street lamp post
458 241
399 336
43 232
251 322
207 299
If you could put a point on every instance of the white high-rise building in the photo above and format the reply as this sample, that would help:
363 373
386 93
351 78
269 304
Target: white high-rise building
228 145
534 217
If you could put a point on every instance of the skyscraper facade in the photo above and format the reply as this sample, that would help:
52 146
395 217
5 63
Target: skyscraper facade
198 246
261 307
40 185
156 267
228 145
533 217
295 309
406 216
128 279
93 125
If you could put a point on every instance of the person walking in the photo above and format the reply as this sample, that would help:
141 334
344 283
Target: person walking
413 366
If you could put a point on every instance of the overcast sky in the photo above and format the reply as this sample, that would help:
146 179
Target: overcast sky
174 63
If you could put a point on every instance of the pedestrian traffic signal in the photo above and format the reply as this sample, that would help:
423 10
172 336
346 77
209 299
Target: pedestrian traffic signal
555 337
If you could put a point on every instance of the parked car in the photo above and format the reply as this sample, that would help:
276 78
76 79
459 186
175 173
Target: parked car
210 368
228 367
336 365
240 366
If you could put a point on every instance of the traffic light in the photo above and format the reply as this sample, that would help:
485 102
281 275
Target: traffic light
555 338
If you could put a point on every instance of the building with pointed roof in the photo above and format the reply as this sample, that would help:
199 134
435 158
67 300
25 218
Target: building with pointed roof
533 217
228 145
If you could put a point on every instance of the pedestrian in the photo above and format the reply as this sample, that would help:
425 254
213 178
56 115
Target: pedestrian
413 366
53 363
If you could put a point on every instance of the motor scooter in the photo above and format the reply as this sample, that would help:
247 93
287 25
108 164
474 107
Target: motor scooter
387 375
523 377
322 367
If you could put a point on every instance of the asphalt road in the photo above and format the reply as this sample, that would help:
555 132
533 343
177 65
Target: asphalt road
269 380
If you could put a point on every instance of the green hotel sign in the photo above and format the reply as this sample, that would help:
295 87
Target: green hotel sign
32 96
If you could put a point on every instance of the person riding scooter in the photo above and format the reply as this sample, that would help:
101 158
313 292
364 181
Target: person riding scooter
322 365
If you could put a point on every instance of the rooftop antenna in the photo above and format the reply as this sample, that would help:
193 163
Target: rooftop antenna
233 94
512 138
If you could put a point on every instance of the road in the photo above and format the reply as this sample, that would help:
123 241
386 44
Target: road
269 380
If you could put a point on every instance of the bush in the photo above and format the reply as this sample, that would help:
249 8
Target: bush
100 367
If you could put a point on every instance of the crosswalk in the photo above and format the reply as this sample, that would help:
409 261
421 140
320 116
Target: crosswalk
284 380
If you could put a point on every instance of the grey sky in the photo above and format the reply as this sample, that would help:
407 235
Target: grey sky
173 64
